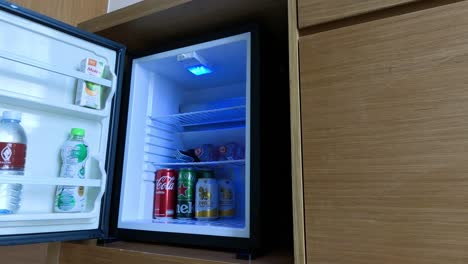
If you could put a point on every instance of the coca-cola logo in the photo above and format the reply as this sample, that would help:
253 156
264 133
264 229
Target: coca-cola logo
165 183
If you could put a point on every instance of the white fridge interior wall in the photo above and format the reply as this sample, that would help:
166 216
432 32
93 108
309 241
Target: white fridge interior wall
39 69
170 109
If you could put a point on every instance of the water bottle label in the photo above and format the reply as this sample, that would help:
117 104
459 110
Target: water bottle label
75 156
12 156
70 199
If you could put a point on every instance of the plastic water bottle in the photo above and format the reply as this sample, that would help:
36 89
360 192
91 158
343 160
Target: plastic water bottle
12 160
74 155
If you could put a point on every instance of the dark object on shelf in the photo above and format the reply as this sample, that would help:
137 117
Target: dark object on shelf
187 155
206 152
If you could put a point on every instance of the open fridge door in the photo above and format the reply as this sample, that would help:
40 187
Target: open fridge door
42 77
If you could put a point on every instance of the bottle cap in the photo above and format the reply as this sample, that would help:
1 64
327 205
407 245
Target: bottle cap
77 132
11 115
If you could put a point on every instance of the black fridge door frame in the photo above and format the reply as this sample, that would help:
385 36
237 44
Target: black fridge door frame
120 49
236 243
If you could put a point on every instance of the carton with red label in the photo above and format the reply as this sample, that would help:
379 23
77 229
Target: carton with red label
89 94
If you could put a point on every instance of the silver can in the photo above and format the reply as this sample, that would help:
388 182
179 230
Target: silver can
227 198
206 196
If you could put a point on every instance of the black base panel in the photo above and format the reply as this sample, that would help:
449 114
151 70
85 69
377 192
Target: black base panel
246 254
49 237
202 241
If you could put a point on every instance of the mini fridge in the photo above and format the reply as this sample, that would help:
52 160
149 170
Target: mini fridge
195 106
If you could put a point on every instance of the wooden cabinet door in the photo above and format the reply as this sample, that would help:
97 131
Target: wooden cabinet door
385 140
313 12
68 11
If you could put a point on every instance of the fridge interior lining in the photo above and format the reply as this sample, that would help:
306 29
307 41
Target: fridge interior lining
172 109
40 82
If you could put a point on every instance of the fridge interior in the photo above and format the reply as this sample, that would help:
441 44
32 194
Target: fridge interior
172 109
39 71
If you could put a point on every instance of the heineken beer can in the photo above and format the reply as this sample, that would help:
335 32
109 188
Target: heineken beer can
185 193
206 196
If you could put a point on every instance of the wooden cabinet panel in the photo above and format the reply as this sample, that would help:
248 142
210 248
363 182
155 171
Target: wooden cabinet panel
312 12
68 11
27 254
127 252
385 140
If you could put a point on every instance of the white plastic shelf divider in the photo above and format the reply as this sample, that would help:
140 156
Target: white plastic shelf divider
39 104
46 216
207 164
221 115
12 179
71 73
19 218
60 108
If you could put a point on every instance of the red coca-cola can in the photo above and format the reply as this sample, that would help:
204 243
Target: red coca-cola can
165 193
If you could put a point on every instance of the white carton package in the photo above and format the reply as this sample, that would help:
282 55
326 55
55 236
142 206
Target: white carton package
89 94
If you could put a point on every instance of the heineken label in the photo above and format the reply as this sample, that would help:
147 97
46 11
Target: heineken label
185 193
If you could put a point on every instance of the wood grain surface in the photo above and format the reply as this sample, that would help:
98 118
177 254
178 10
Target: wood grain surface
313 12
129 13
27 254
167 22
296 144
131 253
68 11
385 140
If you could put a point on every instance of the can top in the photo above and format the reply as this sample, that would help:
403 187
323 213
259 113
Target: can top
164 171
186 169
205 173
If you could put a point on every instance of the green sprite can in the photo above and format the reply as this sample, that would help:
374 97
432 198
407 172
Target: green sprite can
185 193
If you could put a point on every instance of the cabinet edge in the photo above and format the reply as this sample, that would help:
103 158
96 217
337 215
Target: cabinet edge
296 137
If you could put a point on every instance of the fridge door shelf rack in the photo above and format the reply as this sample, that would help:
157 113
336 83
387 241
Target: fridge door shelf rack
214 116
31 102
17 219
23 219
61 108
17 179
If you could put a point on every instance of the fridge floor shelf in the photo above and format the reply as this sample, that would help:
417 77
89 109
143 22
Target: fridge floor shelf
12 179
221 222
201 165
53 107
221 115
221 227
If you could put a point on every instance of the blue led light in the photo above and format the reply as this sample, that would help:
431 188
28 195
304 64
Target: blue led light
199 69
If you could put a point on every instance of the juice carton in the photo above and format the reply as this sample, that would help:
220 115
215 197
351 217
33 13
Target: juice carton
89 94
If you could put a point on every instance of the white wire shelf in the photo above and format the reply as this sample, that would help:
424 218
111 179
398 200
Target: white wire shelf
221 115
207 164
12 179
